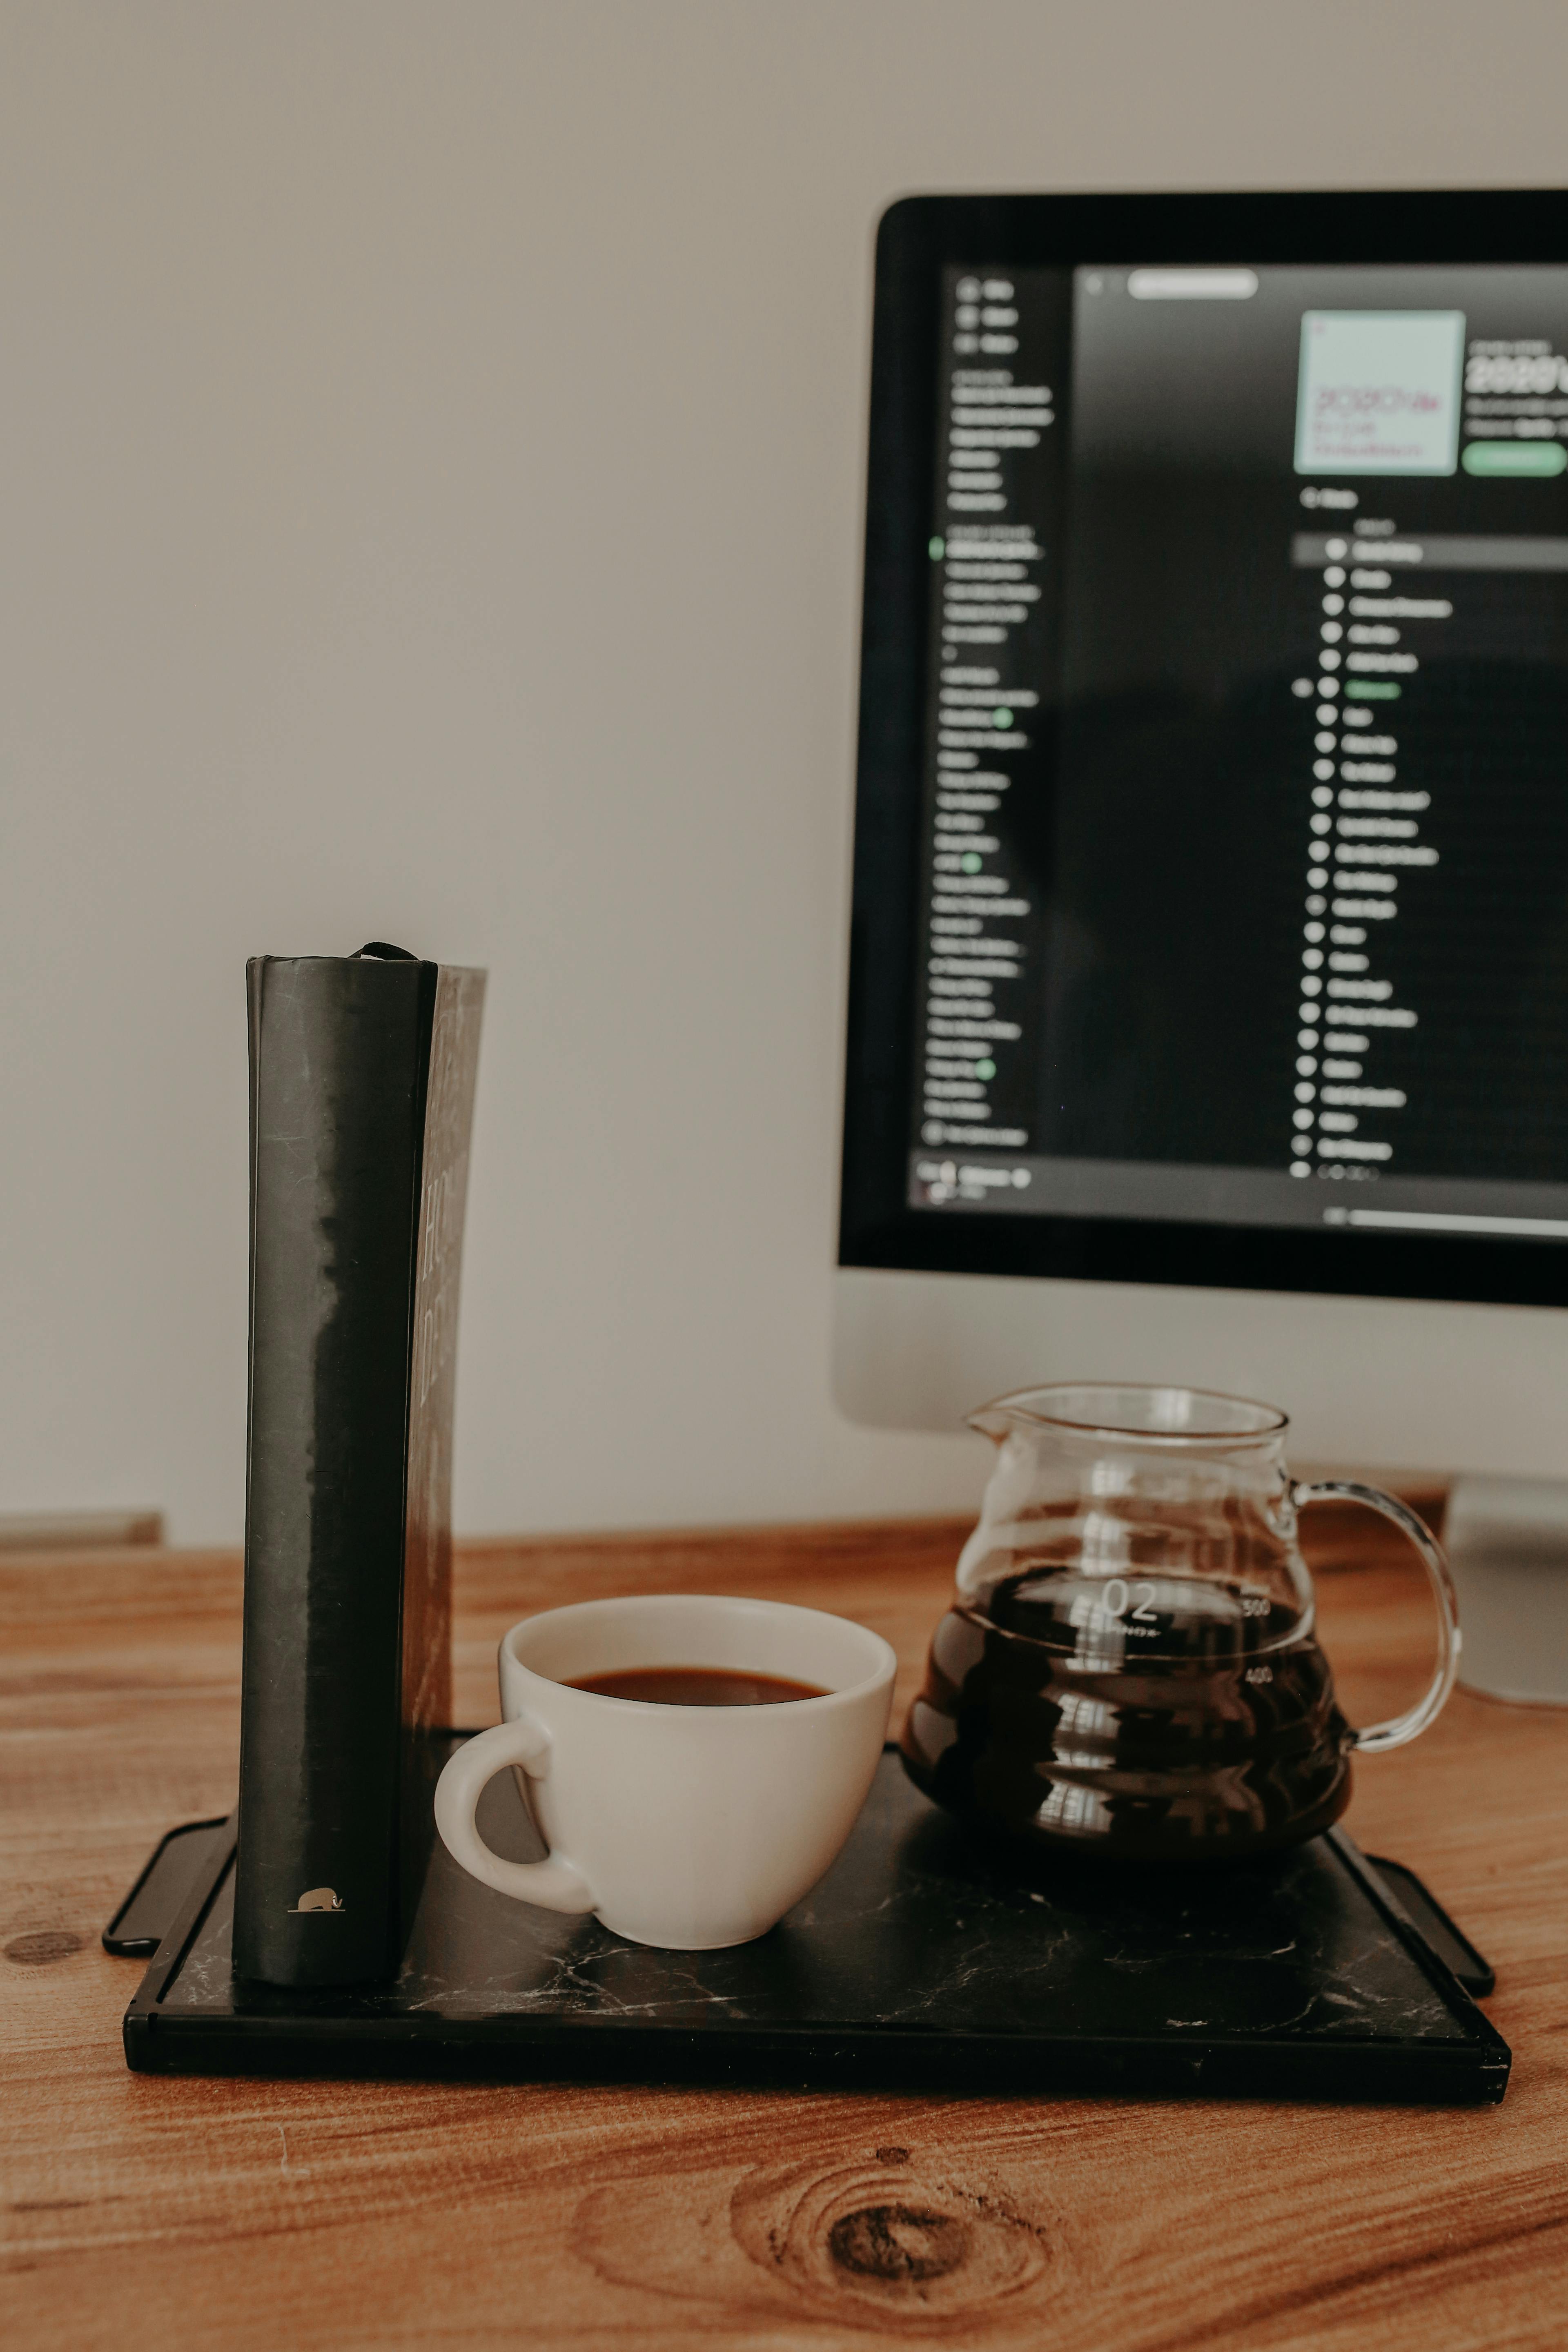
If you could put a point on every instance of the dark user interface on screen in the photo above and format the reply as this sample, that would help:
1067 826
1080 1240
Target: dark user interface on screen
1245 884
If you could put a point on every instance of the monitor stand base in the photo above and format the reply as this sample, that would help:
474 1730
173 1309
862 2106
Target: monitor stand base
1507 1541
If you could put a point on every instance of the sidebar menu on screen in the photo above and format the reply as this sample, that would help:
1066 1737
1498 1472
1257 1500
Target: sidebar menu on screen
996 563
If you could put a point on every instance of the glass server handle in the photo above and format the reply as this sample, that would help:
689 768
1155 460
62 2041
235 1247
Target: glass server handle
1409 1725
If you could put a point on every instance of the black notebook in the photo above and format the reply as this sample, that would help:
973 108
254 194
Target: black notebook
362 1087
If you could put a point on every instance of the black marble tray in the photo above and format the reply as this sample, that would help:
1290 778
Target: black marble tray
917 1963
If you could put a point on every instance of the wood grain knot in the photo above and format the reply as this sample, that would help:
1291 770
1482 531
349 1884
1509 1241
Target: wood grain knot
36 1951
891 2239
898 2242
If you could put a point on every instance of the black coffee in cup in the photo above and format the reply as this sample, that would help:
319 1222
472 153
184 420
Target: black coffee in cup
695 1687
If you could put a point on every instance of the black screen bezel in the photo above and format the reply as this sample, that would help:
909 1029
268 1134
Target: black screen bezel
917 238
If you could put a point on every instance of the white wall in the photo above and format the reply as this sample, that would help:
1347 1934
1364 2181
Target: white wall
434 442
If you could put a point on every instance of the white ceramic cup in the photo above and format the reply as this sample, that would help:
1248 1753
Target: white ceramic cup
692 1827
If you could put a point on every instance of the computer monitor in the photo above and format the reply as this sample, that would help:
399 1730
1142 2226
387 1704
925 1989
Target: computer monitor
1209 1006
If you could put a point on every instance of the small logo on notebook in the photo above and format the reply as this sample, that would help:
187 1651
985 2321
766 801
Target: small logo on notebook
316 1899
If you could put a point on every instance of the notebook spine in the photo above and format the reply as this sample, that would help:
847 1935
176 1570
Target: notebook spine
340 1051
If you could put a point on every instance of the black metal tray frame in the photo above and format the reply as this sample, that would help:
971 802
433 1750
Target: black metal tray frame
918 1963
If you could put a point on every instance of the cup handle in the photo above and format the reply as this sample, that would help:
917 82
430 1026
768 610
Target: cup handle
553 1883
1409 1725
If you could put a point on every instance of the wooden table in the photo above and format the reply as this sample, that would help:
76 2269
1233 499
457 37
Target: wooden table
143 2212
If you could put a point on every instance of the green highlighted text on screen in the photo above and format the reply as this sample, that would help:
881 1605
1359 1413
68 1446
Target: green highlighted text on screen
1515 457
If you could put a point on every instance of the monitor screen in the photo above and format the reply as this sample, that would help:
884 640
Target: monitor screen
1235 770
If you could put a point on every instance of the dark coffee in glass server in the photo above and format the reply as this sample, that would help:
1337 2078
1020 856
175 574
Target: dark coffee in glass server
1163 1716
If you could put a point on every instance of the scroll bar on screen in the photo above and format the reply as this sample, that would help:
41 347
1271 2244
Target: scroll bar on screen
1433 1222
1191 285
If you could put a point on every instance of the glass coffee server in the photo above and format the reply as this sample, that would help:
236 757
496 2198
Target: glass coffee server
1131 1664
